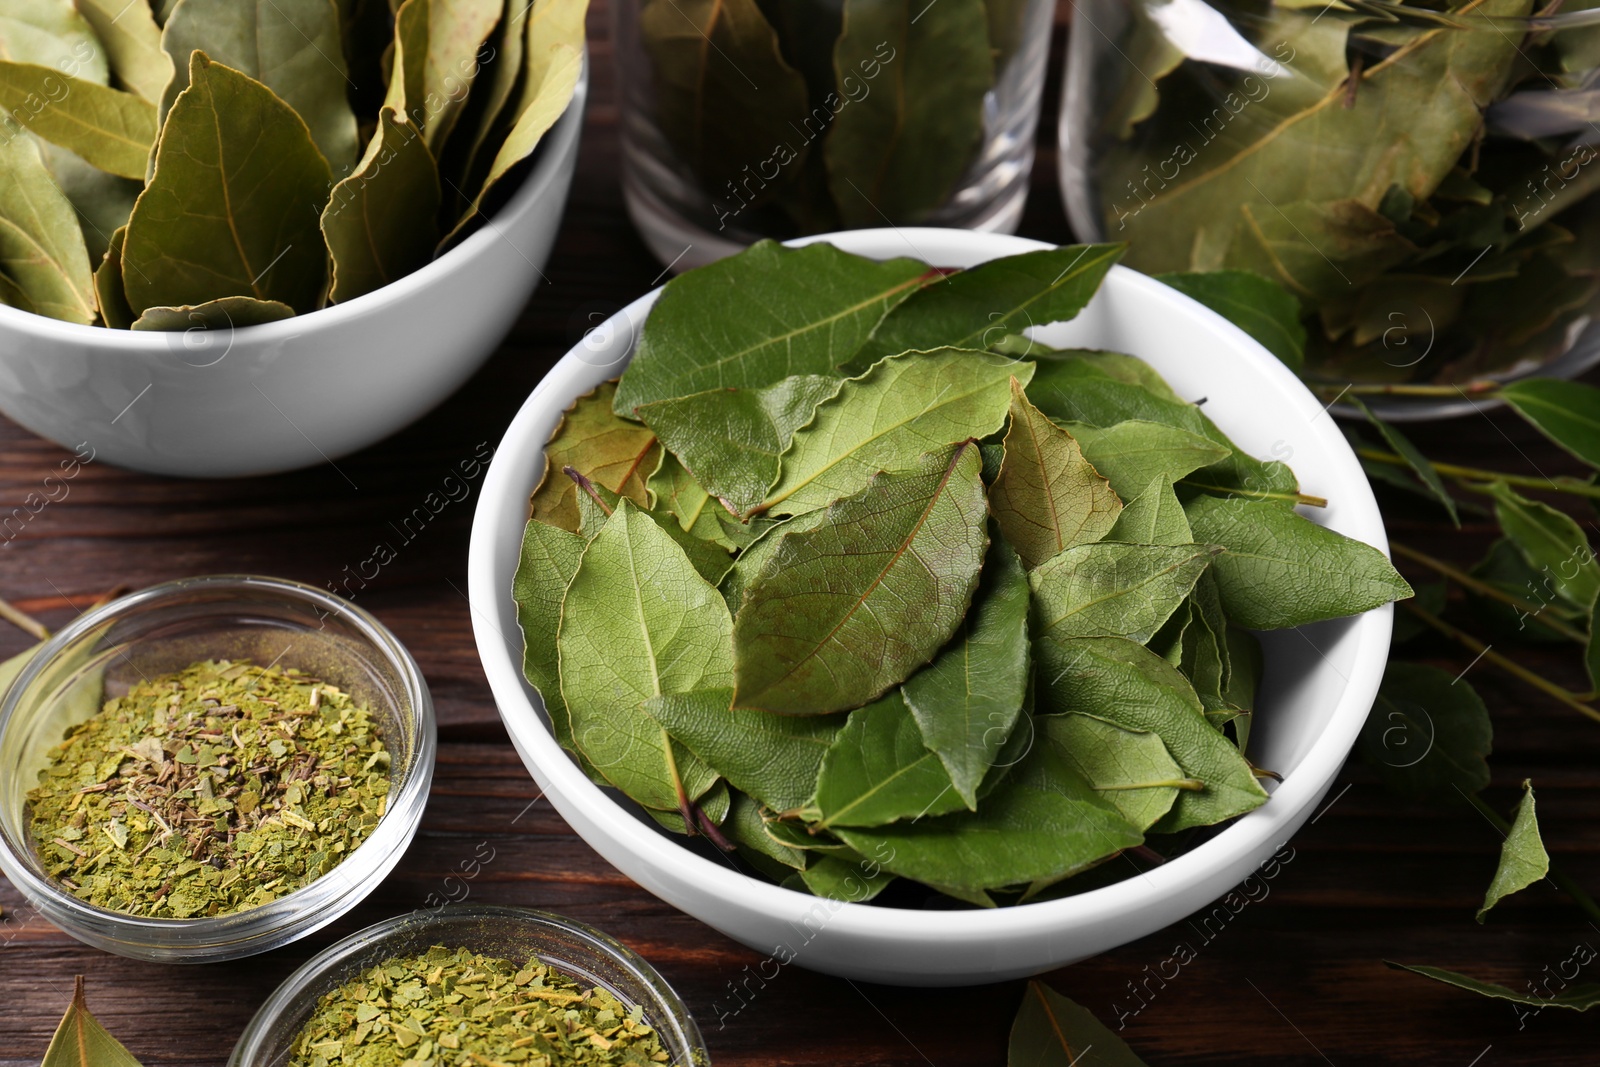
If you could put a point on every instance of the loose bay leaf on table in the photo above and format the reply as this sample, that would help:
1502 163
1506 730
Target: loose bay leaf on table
110 129
877 771
380 222
761 316
1283 570
1112 589
973 307
223 314
1129 454
1551 541
1428 735
1420 464
1579 997
731 439
1083 387
1130 769
1253 303
1043 822
109 295
1153 517
844 611
52 33
638 622
292 47
232 207
1048 497
895 154
132 41
773 758
724 94
41 247
967 701
1523 860
845 876
1126 684
1568 413
1052 1031
609 451
436 45
80 1040
901 409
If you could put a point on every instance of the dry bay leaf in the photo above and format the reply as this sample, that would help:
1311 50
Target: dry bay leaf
436 44
380 222
108 128
132 41
41 247
616 454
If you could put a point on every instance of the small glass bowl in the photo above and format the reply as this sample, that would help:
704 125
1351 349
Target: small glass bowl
573 948
163 629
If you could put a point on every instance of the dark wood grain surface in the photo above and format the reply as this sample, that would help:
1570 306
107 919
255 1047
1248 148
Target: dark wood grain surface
1296 978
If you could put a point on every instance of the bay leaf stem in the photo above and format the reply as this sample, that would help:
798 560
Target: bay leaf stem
23 621
1261 494
1461 637
1474 478
1480 388
1478 585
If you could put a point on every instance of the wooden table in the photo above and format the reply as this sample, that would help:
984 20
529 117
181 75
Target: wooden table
1295 978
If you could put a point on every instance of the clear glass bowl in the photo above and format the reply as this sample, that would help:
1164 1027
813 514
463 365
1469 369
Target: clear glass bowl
571 947
773 119
165 628
1420 175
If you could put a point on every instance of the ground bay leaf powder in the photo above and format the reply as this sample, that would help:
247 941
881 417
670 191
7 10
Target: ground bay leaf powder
218 788
456 1008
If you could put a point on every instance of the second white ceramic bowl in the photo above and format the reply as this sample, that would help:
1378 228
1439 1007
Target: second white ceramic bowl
1319 685
225 403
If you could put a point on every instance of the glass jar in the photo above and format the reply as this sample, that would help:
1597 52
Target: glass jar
573 948
1418 175
163 629
744 119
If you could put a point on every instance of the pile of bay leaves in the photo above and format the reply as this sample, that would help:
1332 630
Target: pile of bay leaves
229 162
846 575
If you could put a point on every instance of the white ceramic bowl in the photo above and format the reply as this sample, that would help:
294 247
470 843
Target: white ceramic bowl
1320 680
261 399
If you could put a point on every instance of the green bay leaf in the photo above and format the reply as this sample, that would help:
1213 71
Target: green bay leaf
1125 684
132 41
878 771
1428 735
1420 464
1523 860
975 307
900 410
231 209
42 249
1129 454
1048 497
379 222
1579 997
80 1040
292 47
1043 822
1112 589
1262 309
846 876
967 701
108 128
223 314
748 831
773 758
1551 541
725 96
1153 517
894 155
842 612
731 439
109 295
1131 769
611 452
1052 1031
1568 413
638 622
52 33
756 318
1280 569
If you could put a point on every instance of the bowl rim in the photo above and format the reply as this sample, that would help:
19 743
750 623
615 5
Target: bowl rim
347 948
1266 827
558 142
298 912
